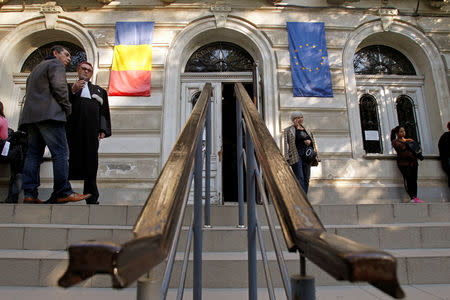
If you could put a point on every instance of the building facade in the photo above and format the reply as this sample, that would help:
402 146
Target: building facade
389 61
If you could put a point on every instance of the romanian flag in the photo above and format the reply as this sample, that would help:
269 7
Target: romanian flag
309 60
132 62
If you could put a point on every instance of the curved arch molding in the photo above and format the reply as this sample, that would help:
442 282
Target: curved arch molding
202 31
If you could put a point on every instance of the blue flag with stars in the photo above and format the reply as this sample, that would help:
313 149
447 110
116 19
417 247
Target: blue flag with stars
309 60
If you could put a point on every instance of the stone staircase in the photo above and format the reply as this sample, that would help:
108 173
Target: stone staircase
33 239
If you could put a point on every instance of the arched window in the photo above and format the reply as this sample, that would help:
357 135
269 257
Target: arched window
379 59
407 116
389 94
220 57
77 55
370 125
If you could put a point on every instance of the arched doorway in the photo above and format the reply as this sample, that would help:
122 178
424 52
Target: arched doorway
204 31
223 64
24 43
179 86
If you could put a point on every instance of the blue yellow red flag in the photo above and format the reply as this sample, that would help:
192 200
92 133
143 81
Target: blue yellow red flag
132 61
309 60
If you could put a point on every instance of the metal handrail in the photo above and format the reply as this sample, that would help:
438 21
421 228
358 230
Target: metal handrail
340 257
187 251
155 228
276 244
174 246
275 241
267 274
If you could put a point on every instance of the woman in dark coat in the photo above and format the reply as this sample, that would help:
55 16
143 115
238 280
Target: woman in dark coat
406 162
296 139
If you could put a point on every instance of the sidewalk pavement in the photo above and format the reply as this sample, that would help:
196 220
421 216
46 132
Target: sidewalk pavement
354 292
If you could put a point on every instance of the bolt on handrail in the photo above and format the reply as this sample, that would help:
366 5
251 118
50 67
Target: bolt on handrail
303 231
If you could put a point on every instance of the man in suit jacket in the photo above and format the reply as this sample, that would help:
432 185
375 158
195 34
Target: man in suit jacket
44 116
89 123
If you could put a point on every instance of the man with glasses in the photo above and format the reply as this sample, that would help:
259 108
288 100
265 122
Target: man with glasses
89 123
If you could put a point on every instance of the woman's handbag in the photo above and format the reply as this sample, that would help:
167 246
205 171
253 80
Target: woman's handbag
415 148
310 154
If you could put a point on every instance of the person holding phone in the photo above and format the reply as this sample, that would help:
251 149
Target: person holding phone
296 139
406 162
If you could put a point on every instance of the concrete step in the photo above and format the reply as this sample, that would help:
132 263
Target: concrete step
222 238
349 292
33 238
223 214
220 269
115 191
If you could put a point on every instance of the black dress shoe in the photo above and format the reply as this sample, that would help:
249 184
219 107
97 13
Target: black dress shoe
11 200
51 200
90 201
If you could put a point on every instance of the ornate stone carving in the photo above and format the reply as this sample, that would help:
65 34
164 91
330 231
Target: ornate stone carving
388 12
105 1
386 22
50 12
103 37
220 7
220 12
387 17
221 19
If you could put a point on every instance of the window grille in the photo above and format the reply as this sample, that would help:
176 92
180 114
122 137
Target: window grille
77 55
220 57
379 59
407 116
370 124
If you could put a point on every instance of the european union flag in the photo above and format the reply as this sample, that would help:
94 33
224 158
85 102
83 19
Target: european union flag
309 60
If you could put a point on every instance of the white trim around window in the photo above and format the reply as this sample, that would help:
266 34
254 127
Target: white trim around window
386 89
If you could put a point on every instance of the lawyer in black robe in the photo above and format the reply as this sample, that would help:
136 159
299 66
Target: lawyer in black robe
90 121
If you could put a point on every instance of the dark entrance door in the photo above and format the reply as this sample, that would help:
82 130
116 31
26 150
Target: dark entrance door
229 155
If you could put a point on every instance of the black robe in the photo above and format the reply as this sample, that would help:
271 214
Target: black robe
89 117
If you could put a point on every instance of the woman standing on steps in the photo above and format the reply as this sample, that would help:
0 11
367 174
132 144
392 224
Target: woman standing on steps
406 161
296 140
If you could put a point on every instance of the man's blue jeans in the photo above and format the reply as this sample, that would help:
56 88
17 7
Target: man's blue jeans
53 135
